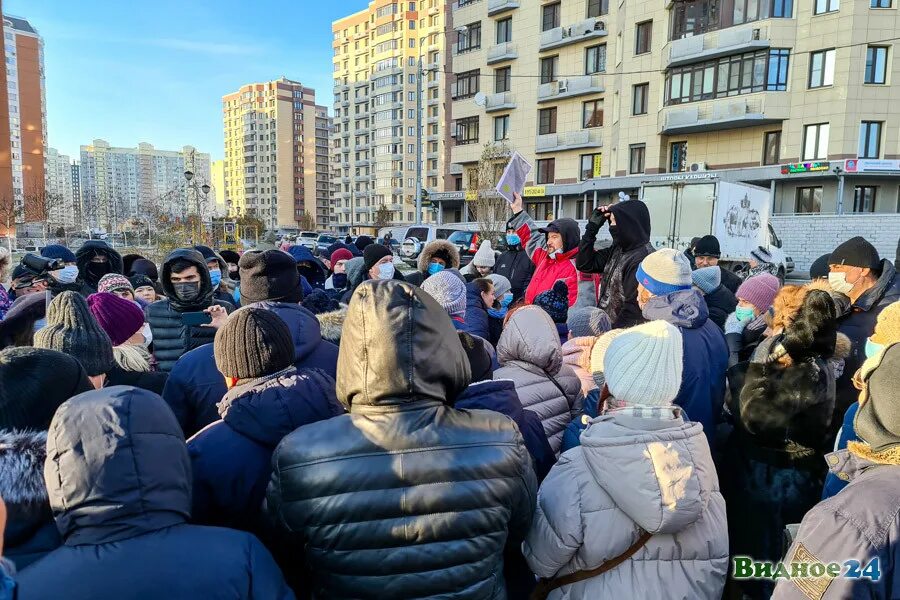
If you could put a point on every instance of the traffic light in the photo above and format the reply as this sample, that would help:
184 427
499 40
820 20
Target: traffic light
426 200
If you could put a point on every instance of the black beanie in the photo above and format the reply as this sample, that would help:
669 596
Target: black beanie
480 361
34 382
146 267
819 268
253 343
363 242
72 328
230 256
708 245
373 253
269 275
877 421
856 252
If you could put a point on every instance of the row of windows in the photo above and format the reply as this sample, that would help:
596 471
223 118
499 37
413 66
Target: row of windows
764 70
809 199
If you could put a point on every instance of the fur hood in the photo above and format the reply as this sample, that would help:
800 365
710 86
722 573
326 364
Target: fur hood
891 456
432 248
22 455
332 324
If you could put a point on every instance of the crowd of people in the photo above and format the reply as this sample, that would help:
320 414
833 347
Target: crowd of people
567 419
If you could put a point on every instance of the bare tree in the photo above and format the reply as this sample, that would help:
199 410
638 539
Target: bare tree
10 213
489 207
383 217
306 222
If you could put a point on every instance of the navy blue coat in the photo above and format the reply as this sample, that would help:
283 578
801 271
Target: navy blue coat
231 459
316 274
476 313
195 385
500 396
589 410
702 391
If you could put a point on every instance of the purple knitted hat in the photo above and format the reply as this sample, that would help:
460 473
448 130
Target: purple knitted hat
118 317
760 291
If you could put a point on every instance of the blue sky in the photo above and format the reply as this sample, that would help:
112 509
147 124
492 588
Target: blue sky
155 72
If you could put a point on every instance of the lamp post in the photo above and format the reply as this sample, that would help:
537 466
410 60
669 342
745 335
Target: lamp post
204 189
840 194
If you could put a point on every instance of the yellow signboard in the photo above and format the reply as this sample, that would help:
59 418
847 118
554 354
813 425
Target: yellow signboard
535 191
598 159
471 195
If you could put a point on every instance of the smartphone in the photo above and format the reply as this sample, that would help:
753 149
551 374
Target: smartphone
196 318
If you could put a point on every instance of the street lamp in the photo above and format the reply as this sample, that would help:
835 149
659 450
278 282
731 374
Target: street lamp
188 175
840 198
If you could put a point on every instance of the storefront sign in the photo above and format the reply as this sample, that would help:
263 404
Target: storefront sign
867 165
535 191
807 167
472 195
598 160
687 177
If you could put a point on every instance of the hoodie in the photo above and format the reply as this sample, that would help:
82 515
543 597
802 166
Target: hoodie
315 272
91 275
548 269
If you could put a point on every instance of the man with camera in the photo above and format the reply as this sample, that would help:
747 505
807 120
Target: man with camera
67 278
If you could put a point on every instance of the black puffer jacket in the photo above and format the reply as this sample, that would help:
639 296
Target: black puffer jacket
119 483
171 338
515 265
405 497
88 275
619 262
721 303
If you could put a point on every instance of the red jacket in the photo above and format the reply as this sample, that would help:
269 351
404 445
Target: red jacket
548 270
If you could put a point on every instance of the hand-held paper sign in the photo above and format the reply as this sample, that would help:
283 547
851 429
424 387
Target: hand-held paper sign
514 177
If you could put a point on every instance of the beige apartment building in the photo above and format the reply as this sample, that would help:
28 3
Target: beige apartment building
377 57
276 154
602 95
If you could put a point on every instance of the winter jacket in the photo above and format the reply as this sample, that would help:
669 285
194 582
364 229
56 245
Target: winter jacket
530 355
630 474
195 386
515 265
476 314
118 478
548 269
78 286
83 258
419 276
499 395
577 354
731 280
861 523
833 483
316 273
171 338
619 262
721 302
705 354
741 344
859 324
590 410
151 381
30 530
405 496
231 459
357 275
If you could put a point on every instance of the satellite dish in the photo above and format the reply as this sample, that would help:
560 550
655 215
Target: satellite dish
480 99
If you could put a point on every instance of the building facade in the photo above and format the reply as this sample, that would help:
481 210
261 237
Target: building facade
217 171
324 126
601 96
272 140
378 53
60 190
119 185
77 207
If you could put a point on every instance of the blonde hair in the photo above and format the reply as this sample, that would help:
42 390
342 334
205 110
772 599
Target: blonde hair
786 306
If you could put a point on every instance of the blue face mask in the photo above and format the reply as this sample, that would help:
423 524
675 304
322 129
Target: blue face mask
872 348
215 277
743 313
497 313
506 299
513 239
435 268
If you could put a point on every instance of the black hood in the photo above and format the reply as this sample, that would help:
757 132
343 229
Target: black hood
22 487
568 229
89 250
398 346
204 300
117 466
632 224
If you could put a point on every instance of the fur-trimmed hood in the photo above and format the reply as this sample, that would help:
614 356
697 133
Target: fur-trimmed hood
22 455
332 324
433 248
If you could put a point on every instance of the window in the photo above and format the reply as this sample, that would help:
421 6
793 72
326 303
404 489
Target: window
771 147
597 8
869 139
642 37
548 69
592 114
809 200
504 30
826 6
876 64
783 9
546 171
550 16
467 131
879 3
864 198
821 68
639 95
590 166
501 128
679 161
468 38
595 59
693 17
466 85
815 141
763 70
502 80
636 154
547 121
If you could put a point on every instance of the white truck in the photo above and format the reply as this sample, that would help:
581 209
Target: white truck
736 213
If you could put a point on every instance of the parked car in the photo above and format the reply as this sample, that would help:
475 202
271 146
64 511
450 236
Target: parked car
417 237
308 239
467 242
323 241
393 244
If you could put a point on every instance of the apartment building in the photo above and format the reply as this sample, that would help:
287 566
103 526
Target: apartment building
323 209
77 206
274 134
60 190
795 95
378 55
143 183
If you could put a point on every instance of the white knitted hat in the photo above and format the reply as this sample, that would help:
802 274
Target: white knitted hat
643 365
598 352
664 272
485 255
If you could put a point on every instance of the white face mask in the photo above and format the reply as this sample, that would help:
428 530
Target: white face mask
839 283
148 335
66 275
386 271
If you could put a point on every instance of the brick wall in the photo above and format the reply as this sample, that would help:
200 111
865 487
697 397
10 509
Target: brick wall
807 237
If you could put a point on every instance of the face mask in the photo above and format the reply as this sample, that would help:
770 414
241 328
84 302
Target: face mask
497 313
234 273
339 280
98 270
66 275
513 239
187 292
839 283
386 271
215 277
148 335
434 268
743 313
506 299
872 348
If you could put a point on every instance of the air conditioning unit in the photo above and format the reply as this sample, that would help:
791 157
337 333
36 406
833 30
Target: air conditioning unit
698 166
563 85
600 26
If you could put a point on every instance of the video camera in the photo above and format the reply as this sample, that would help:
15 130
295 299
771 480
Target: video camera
38 268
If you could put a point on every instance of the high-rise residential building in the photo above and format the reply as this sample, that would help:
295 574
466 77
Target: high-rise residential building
377 57
272 134
324 127
76 193
217 169
602 96
121 184
60 197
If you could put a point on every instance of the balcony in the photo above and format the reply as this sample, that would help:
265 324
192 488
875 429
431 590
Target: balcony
763 108
433 83
434 101
588 29
394 206
463 4
502 52
361 179
502 101
431 120
714 44
571 87
570 140
455 169
495 7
